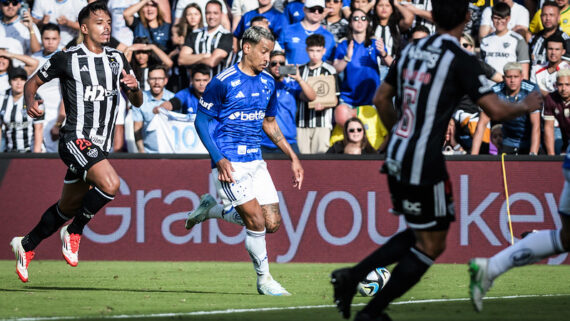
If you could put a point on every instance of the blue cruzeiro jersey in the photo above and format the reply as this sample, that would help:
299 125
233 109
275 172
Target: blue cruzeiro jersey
239 103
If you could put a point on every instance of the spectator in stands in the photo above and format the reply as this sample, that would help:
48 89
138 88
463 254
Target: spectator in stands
277 20
224 18
314 125
211 46
294 11
504 45
550 15
145 139
419 32
191 21
292 38
357 57
146 54
186 101
521 135
20 26
496 144
119 27
290 89
239 8
545 75
334 21
557 108
518 21
422 12
355 141
60 12
23 134
152 22
536 24
6 63
391 19
364 5
451 146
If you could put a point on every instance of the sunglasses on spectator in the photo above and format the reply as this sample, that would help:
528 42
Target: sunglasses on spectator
353 130
10 2
275 63
466 45
361 18
335 1
316 9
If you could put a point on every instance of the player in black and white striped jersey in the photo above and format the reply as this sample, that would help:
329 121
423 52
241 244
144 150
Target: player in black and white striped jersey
23 133
428 81
91 77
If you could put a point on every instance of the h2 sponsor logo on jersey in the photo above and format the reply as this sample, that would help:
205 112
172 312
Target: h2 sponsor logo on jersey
97 93
256 115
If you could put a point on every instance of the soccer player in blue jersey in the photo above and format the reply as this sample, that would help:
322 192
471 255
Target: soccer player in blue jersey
236 105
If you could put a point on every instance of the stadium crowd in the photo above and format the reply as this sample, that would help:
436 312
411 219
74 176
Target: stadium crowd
176 47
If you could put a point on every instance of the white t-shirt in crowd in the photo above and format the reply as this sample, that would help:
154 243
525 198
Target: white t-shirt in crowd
519 17
119 28
202 3
55 9
498 50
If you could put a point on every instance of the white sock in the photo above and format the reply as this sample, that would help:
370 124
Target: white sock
231 216
533 248
255 246
216 211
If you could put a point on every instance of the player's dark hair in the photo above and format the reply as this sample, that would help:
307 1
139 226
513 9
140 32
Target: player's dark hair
214 2
448 14
253 35
501 9
50 26
550 4
315 40
555 38
200 68
92 8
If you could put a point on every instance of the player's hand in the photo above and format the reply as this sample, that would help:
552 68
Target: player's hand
225 170
533 101
35 110
298 173
130 81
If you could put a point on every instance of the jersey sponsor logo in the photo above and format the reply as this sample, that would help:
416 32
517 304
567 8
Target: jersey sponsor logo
97 139
84 68
254 94
242 149
257 115
413 208
92 153
205 104
235 83
497 54
240 95
296 39
97 93
430 58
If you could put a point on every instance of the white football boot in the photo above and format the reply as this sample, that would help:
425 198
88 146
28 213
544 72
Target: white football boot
479 281
266 285
23 258
70 246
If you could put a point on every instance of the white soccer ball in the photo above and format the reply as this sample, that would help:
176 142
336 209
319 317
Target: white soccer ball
374 282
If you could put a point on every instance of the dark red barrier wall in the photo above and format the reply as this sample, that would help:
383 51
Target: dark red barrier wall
340 215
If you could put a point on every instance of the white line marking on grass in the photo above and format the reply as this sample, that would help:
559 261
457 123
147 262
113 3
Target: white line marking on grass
304 307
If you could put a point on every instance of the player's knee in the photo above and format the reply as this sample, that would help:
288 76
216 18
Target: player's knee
110 184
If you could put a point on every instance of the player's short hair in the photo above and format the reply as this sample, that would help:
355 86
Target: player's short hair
562 73
254 34
448 14
200 68
512 66
158 67
501 9
92 8
315 40
214 2
555 38
50 26
550 4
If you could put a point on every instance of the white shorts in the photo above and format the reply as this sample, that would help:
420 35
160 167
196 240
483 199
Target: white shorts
252 181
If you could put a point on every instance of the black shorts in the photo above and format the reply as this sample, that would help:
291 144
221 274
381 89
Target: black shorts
79 155
427 207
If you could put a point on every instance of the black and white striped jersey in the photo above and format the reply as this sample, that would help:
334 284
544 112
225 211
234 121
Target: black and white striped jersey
308 117
203 42
90 85
537 47
19 127
430 78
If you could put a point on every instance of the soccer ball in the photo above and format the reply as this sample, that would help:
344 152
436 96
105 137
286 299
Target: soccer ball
374 282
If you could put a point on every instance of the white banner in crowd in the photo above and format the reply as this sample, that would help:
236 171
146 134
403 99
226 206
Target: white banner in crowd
176 133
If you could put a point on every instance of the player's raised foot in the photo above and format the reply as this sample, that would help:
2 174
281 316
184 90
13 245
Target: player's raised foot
344 288
200 214
266 285
70 246
23 258
479 281
361 316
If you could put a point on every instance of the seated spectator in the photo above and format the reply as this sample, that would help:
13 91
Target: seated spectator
145 54
334 21
357 57
239 8
504 45
419 32
294 11
152 22
364 5
277 20
536 24
224 18
314 125
292 38
289 90
6 62
450 145
23 133
146 140
20 26
545 75
518 21
354 142
549 17
60 12
557 109
190 21
119 27
422 12
186 101
496 144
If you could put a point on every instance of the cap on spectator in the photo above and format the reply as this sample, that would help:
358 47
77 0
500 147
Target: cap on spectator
17 72
315 3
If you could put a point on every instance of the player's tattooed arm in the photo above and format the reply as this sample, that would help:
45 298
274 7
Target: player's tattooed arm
272 130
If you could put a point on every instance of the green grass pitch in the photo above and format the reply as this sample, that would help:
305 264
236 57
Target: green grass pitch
226 291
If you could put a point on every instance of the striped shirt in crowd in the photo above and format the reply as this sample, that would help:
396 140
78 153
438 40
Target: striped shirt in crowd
90 84
19 127
310 118
203 42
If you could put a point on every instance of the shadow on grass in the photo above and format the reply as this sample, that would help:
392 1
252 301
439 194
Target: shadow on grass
64 288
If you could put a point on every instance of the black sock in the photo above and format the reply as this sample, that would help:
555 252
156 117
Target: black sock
396 247
51 221
405 275
93 201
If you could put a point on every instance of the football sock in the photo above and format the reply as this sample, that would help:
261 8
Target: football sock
51 221
533 248
396 247
255 246
405 275
93 201
232 216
